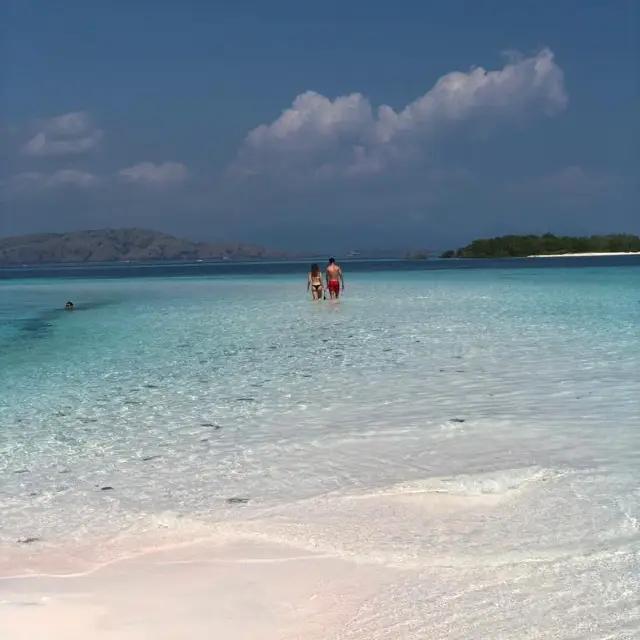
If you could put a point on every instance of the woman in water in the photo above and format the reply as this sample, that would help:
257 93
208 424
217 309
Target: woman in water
314 282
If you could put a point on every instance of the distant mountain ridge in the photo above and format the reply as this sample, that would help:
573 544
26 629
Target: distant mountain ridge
123 245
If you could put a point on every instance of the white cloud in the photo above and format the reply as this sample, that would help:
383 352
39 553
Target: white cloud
70 133
64 177
76 123
157 175
162 175
73 177
322 137
42 145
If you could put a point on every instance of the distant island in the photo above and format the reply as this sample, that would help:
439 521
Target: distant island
547 245
122 245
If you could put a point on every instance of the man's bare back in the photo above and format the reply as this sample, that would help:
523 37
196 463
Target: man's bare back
333 275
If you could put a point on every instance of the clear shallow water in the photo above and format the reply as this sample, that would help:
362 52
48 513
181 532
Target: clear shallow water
478 429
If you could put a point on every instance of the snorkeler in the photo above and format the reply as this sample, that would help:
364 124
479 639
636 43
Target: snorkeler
314 282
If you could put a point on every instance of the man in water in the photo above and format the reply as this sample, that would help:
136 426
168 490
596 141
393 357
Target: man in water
333 275
69 306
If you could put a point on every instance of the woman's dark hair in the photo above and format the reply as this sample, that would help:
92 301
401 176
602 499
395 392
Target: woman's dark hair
314 269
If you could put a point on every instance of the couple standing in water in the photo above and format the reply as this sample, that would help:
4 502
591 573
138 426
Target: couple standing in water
333 276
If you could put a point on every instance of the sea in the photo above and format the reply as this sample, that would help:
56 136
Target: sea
473 424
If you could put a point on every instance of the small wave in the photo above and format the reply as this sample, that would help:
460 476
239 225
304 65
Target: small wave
497 483
461 521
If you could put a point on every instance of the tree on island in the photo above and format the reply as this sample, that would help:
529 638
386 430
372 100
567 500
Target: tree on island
513 246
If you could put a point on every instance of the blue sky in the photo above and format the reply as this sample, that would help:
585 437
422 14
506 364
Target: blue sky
324 126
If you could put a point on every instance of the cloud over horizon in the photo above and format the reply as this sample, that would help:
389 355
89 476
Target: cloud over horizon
456 160
30 180
165 174
319 137
67 134
144 174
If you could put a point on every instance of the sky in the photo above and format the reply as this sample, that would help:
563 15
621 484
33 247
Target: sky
321 126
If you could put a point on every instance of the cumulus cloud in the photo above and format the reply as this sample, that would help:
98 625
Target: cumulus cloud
70 133
324 137
42 145
76 123
166 174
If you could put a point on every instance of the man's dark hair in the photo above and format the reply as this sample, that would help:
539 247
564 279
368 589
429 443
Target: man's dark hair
332 260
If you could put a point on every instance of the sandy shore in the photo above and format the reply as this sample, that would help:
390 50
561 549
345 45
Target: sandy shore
586 255
239 590
409 562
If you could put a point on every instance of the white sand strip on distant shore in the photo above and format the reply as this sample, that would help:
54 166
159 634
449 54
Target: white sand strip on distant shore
586 255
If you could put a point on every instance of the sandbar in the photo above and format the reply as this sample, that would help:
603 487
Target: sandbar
241 590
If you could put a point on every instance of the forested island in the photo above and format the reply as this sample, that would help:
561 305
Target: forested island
122 245
513 246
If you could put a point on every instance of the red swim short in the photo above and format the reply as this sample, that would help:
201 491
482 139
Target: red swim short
334 286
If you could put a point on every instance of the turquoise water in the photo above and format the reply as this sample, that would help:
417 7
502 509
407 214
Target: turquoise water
497 410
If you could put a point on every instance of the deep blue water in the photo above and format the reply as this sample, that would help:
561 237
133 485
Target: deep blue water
164 269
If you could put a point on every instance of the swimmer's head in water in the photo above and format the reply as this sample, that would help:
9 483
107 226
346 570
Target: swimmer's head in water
69 305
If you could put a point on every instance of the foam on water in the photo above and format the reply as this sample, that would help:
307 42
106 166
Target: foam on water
478 430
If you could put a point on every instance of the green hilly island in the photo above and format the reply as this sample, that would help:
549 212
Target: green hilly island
515 246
